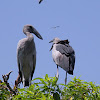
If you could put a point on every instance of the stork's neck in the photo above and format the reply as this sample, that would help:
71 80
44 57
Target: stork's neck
29 35
54 46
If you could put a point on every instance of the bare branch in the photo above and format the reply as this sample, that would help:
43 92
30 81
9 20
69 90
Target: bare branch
5 79
17 81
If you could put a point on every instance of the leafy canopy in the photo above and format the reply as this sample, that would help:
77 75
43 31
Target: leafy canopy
47 89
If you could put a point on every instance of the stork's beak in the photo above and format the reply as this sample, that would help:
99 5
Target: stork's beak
52 45
51 41
51 48
37 34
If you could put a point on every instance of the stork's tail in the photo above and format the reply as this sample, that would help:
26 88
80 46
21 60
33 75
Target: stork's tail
26 83
70 72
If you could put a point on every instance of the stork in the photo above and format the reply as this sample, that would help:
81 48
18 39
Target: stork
63 55
26 55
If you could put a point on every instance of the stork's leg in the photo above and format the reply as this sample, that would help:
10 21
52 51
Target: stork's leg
57 72
66 78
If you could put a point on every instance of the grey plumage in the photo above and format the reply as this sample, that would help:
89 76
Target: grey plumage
63 55
26 55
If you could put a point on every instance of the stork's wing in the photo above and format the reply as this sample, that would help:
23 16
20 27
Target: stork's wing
18 63
23 49
34 63
19 50
65 49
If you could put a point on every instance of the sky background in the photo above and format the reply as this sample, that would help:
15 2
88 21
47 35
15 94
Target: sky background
79 22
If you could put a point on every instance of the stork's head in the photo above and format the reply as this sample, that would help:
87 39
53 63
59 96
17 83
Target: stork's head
30 29
55 40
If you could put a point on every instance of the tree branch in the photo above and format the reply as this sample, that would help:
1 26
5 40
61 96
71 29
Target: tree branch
5 79
17 81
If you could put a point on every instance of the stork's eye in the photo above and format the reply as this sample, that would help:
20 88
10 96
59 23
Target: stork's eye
31 27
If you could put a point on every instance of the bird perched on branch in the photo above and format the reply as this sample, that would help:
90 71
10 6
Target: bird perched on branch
26 55
63 55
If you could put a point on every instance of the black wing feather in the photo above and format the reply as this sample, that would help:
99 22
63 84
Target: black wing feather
65 49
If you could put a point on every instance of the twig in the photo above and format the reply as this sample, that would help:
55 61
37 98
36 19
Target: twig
5 79
17 81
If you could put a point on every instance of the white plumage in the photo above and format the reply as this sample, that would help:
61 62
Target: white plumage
63 55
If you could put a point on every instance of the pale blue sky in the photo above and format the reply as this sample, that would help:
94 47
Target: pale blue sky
79 21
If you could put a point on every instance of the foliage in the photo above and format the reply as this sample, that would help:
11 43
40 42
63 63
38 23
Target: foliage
47 89
4 93
80 90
